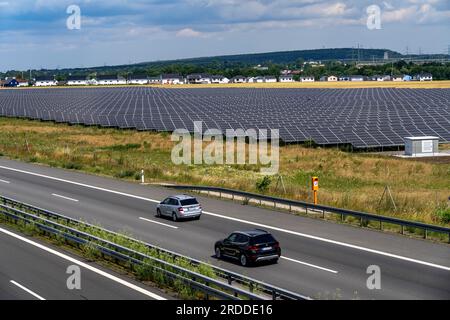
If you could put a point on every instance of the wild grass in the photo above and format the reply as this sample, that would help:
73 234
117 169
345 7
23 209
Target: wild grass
348 180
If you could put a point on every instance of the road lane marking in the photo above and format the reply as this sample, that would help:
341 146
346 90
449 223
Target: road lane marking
308 264
84 265
62 197
4 181
156 222
26 290
339 243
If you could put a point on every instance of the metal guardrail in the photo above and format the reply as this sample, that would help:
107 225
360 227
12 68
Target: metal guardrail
362 216
228 285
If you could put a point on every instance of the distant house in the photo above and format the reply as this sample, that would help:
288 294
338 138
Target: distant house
329 78
154 80
387 78
344 78
307 79
218 79
10 83
287 78
111 80
45 81
238 79
357 78
77 81
198 78
377 78
270 79
407 78
138 79
397 78
23 83
424 77
172 79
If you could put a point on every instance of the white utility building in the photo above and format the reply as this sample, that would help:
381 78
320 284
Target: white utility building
421 146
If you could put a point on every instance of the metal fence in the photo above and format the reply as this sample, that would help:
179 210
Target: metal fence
226 285
364 218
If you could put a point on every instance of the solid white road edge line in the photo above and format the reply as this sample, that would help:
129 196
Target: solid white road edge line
62 197
244 221
308 264
4 181
27 290
163 224
86 266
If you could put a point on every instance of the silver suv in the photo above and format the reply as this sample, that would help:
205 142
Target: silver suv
179 207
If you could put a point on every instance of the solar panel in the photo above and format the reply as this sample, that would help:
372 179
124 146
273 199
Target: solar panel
369 117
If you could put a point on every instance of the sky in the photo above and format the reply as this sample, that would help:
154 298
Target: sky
46 33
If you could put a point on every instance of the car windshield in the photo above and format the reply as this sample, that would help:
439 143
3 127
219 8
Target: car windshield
264 238
188 202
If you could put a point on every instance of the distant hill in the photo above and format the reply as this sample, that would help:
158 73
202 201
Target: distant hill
237 62
282 57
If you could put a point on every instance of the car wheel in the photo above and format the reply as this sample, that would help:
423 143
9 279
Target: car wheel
218 253
158 213
275 261
243 260
174 217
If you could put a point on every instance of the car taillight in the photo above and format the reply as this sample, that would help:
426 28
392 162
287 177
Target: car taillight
181 210
276 245
252 248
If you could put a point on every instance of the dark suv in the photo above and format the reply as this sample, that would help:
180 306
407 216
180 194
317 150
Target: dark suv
249 247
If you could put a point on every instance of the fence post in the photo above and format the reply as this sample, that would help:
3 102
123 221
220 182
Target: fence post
381 225
425 234
403 230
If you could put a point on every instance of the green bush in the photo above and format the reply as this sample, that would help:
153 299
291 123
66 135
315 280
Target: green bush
263 184
443 214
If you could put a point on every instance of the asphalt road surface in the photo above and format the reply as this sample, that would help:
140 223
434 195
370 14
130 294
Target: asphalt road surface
31 270
319 259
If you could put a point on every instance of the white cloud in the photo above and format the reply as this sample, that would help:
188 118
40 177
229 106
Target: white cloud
188 33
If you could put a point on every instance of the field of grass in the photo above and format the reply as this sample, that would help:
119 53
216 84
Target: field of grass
333 85
348 180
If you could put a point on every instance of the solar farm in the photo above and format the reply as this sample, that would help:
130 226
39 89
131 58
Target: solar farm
363 118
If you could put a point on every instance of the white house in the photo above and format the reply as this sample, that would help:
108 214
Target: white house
287 78
238 79
424 77
23 83
138 79
77 81
111 80
377 78
172 79
307 79
219 79
357 78
198 78
270 79
154 80
44 82
397 78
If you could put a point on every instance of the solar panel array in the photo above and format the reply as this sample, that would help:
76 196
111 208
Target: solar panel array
371 117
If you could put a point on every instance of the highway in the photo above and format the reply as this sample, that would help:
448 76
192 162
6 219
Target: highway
320 259
31 270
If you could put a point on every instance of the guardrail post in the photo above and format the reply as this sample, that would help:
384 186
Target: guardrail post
361 221
250 287
403 229
274 295
323 214
381 225
425 234
342 217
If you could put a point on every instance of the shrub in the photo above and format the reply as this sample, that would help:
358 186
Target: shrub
443 214
263 184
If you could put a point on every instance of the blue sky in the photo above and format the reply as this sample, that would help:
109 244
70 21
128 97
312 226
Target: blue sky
34 33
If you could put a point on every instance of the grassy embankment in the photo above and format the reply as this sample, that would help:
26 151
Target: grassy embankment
347 180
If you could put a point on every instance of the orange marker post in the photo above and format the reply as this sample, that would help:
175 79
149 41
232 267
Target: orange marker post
315 187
